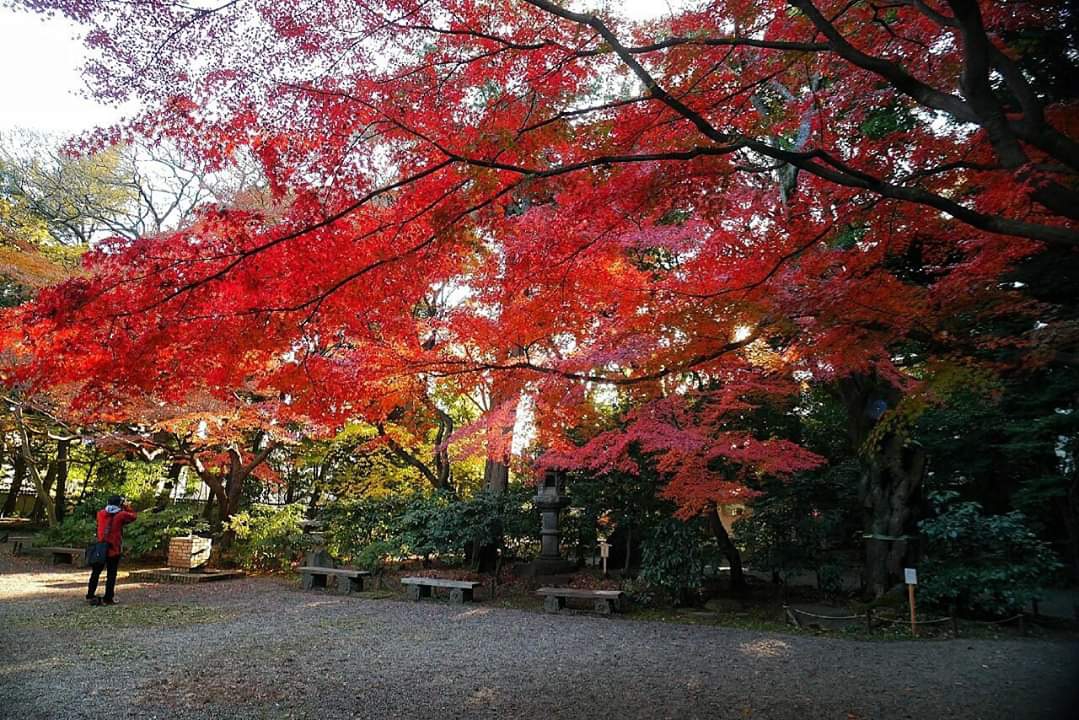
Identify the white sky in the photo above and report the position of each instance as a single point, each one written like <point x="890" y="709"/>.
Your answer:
<point x="41" y="83"/>
<point x="41" y="87"/>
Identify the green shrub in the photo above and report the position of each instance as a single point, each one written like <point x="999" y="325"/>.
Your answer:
<point x="793" y="523"/>
<point x="76" y="530"/>
<point x="984" y="563"/>
<point x="268" y="537"/>
<point x="672" y="558"/>
<point x="150" y="533"/>
<point x="147" y="536"/>
<point x="353" y="525"/>
<point x="368" y="531"/>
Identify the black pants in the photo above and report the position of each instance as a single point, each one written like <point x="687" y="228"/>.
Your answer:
<point x="111" y="566"/>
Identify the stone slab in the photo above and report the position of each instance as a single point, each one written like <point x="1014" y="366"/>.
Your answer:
<point x="320" y="570"/>
<point x="168" y="575"/>
<point x="439" y="582"/>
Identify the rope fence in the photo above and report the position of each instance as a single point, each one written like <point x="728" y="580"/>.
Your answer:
<point x="907" y="622"/>
<point x="1020" y="616"/>
<point x="872" y="618"/>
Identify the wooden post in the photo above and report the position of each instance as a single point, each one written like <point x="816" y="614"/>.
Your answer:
<point x="869" y="619"/>
<point x="913" y="618"/>
<point x="955" y="620"/>
<point x="910" y="576"/>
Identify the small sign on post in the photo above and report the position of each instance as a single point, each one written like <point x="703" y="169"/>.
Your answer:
<point x="910" y="576"/>
<point x="604" y="552"/>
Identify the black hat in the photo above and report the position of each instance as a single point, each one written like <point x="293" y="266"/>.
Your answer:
<point x="115" y="500"/>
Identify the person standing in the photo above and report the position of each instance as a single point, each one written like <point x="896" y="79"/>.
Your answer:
<point x="110" y="529"/>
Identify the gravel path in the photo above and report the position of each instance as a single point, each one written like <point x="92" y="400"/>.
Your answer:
<point x="260" y="648"/>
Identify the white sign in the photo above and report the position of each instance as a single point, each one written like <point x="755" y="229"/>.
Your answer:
<point x="604" y="549"/>
<point x="910" y="576"/>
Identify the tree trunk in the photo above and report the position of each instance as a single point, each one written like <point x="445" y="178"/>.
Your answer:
<point x="63" y="448"/>
<point x="890" y="483"/>
<point x="89" y="477"/>
<point x="18" y="475"/>
<point x="496" y="469"/>
<point x="44" y="501"/>
<point x="208" y="508"/>
<point x="28" y="458"/>
<point x="164" y="498"/>
<point x="496" y="476"/>
<point x="729" y="550"/>
<point x="495" y="481"/>
<point x="232" y="494"/>
<point x="290" y="488"/>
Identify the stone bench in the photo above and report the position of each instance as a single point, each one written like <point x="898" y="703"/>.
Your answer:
<point x="65" y="555"/>
<point x="17" y="543"/>
<point x="604" y="602"/>
<point x="348" y="580"/>
<point x="421" y="587"/>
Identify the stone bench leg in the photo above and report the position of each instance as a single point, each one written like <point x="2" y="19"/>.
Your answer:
<point x="346" y="585"/>
<point x="61" y="558"/>
<point x="553" y="603"/>
<point x="603" y="606"/>
<point x="415" y="592"/>
<point x="16" y="547"/>
<point x="460" y="595"/>
<point x="311" y="581"/>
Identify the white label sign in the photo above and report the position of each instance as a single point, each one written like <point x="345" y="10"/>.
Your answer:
<point x="604" y="549"/>
<point x="910" y="576"/>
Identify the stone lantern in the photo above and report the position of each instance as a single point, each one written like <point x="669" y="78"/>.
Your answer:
<point x="550" y="499"/>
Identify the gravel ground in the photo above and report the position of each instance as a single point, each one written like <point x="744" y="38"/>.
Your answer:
<point x="261" y="648"/>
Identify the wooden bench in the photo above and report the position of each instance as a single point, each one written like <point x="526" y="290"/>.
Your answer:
<point x="604" y="602"/>
<point x="17" y="543"/>
<point x="348" y="580"/>
<point x="65" y="555"/>
<point x="421" y="587"/>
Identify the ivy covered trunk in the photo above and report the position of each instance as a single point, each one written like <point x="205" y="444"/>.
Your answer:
<point x="889" y="487"/>
<point x="889" y="484"/>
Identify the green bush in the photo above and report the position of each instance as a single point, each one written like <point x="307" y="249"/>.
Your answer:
<point x="268" y="537"/>
<point x="76" y="530"/>
<point x="353" y="525"/>
<point x="793" y="523"/>
<point x="672" y="558"/>
<point x="983" y="563"/>
<point x="368" y="531"/>
<point x="147" y="536"/>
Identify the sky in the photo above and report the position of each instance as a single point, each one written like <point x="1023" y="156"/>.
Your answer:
<point x="41" y="84"/>
<point x="41" y="87"/>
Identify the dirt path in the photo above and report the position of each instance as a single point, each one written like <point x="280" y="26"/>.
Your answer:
<point x="260" y="648"/>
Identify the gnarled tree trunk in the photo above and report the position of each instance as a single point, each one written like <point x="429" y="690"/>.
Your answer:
<point x="18" y="475"/>
<point x="229" y="491"/>
<point x="31" y="466"/>
<point x="890" y="482"/>
<point x="728" y="548"/>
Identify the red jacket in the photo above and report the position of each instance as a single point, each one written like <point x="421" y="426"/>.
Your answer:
<point x="116" y="530"/>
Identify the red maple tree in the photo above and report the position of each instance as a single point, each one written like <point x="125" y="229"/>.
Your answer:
<point x="734" y="192"/>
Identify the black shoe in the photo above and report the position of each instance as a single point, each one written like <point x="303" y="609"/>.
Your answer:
<point x="95" y="601"/>
<point x="109" y="601"/>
